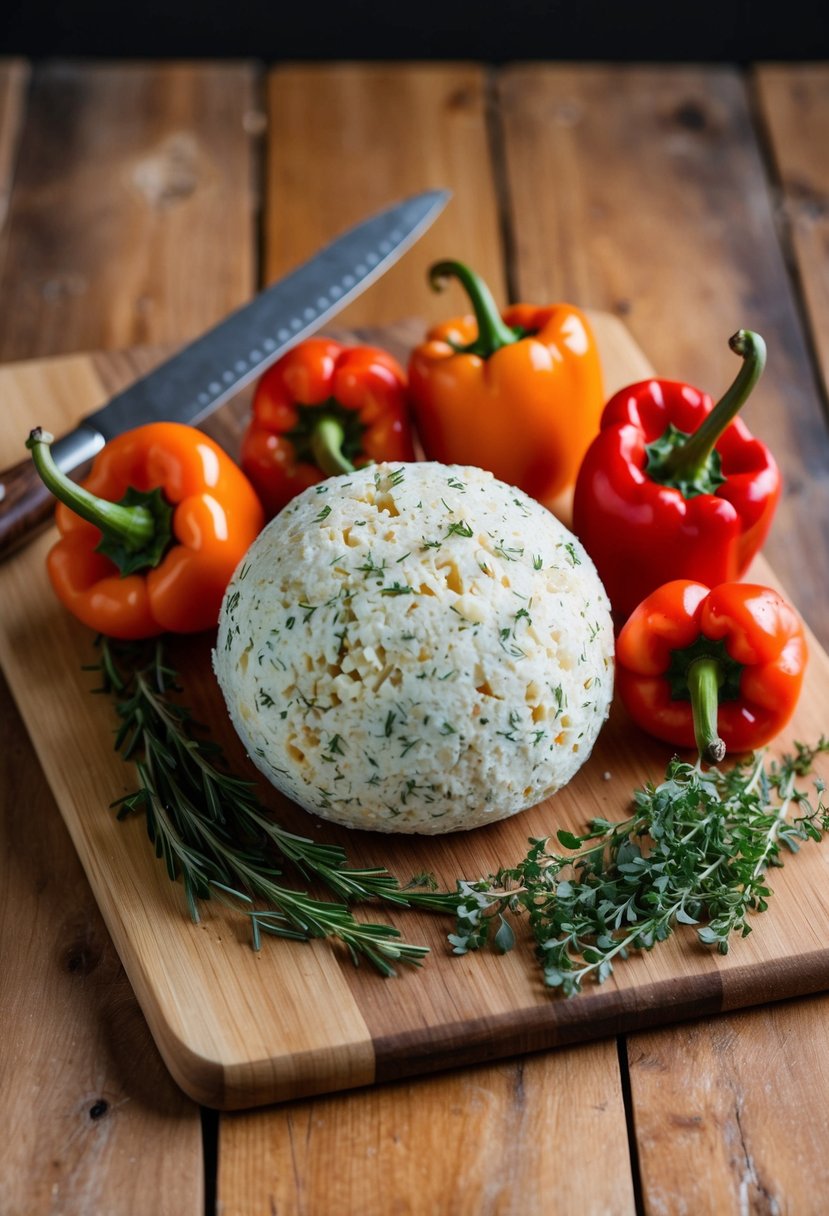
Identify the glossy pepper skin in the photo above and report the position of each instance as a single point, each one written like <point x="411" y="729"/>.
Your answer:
<point x="322" y="409"/>
<point x="658" y="497"/>
<point x="178" y="547"/>
<point x="519" y="394"/>
<point x="718" y="668"/>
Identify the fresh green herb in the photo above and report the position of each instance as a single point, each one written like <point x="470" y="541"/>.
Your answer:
<point x="324" y="513"/>
<point x="398" y="589"/>
<point x="459" y="528"/>
<point x="510" y="553"/>
<point x="212" y="833"/>
<point x="696" y="849"/>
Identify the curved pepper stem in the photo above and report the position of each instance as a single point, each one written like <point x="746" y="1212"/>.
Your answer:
<point x="136" y="532"/>
<point x="704" y="679"/>
<point x="327" y="438"/>
<point x="687" y="461"/>
<point x="493" y="332"/>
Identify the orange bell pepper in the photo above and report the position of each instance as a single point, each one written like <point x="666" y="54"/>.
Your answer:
<point x="520" y="395"/>
<point x="150" y="539"/>
<point x="722" y="668"/>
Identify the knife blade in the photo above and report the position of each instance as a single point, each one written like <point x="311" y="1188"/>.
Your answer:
<point x="196" y="380"/>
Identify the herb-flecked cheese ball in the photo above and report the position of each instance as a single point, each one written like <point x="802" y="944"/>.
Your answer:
<point x="416" y="648"/>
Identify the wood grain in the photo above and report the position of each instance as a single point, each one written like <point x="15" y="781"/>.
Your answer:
<point x="746" y="1099"/>
<point x="237" y="1028"/>
<point x="123" y="178"/>
<point x="85" y="1093"/>
<point x="659" y="211"/>
<point x="667" y="218"/>
<point x="328" y="158"/>
<point x="14" y="78"/>
<point x="348" y="139"/>
<point x="794" y="104"/>
<point x="490" y="1141"/>
<point x="126" y="176"/>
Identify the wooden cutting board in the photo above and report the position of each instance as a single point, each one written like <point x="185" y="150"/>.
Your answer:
<point x="238" y="1028"/>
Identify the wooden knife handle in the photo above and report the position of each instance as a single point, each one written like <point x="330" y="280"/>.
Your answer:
<point x="25" y="506"/>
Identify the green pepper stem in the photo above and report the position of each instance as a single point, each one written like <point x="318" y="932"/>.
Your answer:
<point x="133" y="526"/>
<point x="493" y="332"/>
<point x="687" y="459"/>
<point x="704" y="679"/>
<point x="327" y="438"/>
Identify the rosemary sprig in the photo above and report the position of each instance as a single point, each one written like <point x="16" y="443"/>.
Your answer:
<point x="696" y="848"/>
<point x="211" y="831"/>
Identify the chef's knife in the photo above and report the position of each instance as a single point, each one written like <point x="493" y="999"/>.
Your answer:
<point x="210" y="370"/>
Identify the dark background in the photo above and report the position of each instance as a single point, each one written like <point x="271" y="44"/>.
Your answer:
<point x="732" y="30"/>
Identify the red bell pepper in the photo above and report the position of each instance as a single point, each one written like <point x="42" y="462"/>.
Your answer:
<point x="722" y="668"/>
<point x="675" y="487"/>
<point x="323" y="409"/>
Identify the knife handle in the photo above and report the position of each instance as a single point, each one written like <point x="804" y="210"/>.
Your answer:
<point x="25" y="506"/>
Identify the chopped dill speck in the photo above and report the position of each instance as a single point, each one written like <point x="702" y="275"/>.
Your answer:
<point x="324" y="513"/>
<point x="510" y="553"/>
<point x="459" y="528"/>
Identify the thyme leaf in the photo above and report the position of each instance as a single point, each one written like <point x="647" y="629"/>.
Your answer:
<point x="695" y="851"/>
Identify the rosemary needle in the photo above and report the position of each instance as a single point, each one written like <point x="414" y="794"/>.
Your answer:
<point x="211" y="832"/>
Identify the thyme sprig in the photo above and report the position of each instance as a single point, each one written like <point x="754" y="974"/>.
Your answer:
<point x="211" y="831"/>
<point x="696" y="849"/>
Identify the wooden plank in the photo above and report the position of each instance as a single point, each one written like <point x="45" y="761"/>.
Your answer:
<point x="14" y="77"/>
<point x="84" y="1088"/>
<point x="494" y="1140"/>
<point x="794" y="104"/>
<point x="732" y="1115"/>
<point x="85" y="1092"/>
<point x="124" y="177"/>
<point x="239" y="1028"/>
<point x="348" y="139"/>
<point x="660" y="212"/>
<point x="666" y="218"/>
<point x="437" y="117"/>
<point x="127" y="175"/>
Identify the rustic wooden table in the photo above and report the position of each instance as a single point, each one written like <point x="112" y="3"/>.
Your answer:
<point x="139" y="204"/>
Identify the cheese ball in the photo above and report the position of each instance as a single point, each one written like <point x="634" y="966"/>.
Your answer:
<point x="416" y="648"/>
